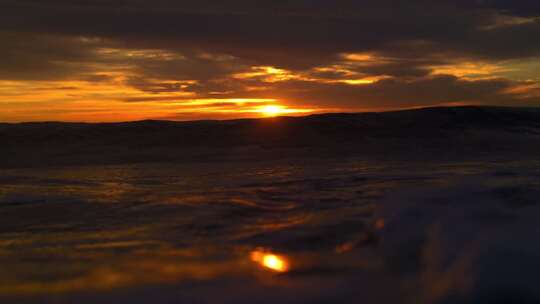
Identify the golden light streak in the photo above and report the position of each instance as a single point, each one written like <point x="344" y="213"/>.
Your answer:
<point x="271" y="75"/>
<point x="358" y="81"/>
<point x="155" y="54"/>
<point x="358" y="56"/>
<point x="271" y="261"/>
<point x="526" y="90"/>
<point x="76" y="101"/>
<point x="268" y="74"/>
<point x="240" y="102"/>
<point x="469" y="70"/>
<point x="336" y="68"/>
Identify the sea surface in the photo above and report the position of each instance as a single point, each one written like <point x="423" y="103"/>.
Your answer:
<point x="288" y="231"/>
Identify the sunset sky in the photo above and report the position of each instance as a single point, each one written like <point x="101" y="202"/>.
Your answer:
<point x="121" y="60"/>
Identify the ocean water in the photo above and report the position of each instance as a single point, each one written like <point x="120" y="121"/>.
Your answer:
<point x="289" y="231"/>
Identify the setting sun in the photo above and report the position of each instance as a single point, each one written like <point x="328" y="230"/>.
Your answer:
<point x="276" y="110"/>
<point x="273" y="110"/>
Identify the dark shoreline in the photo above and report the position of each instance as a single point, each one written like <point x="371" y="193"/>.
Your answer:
<point x="440" y="133"/>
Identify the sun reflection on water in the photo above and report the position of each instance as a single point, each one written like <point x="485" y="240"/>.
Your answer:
<point x="270" y="260"/>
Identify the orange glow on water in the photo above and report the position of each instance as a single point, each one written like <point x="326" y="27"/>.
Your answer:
<point x="380" y="224"/>
<point x="270" y="261"/>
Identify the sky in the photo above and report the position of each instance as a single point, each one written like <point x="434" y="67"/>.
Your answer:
<point x="123" y="60"/>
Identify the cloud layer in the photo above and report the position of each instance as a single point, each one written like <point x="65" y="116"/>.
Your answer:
<point x="164" y="58"/>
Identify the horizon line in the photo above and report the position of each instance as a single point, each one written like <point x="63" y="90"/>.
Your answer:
<point x="274" y="117"/>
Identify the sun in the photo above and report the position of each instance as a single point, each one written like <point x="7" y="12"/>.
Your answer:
<point x="273" y="110"/>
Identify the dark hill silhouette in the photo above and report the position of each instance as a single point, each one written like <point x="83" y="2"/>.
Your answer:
<point x="456" y="131"/>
